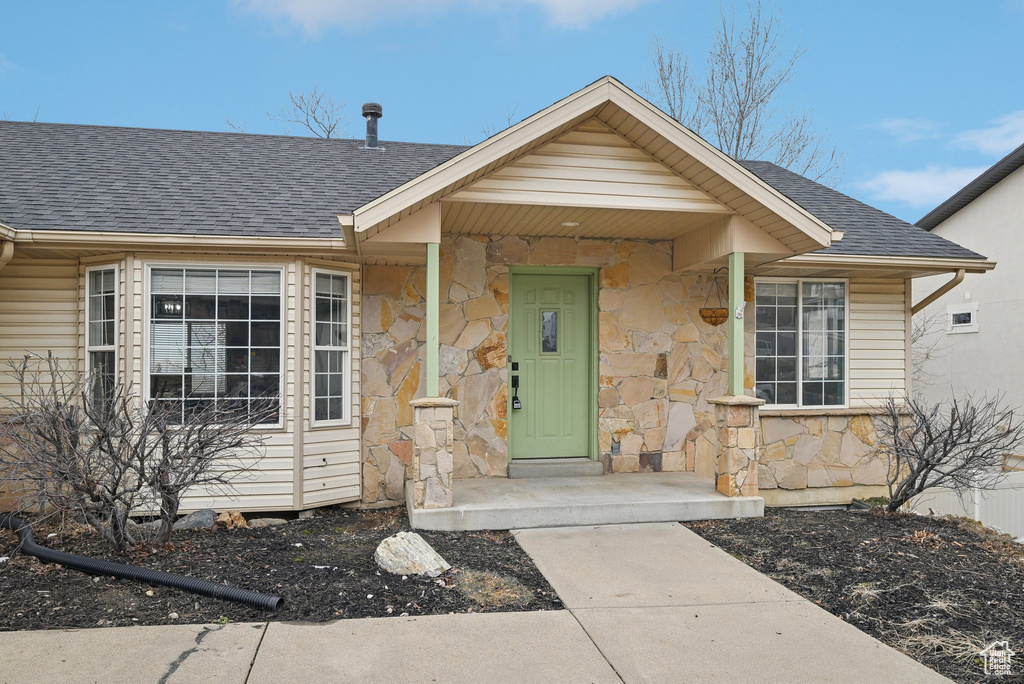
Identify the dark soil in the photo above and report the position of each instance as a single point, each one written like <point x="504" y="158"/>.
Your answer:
<point x="939" y="590"/>
<point x="278" y="560"/>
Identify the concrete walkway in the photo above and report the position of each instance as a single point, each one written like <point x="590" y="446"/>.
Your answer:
<point x="664" y="605"/>
<point x="647" y="603"/>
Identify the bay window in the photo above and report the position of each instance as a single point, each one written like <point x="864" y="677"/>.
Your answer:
<point x="800" y="342"/>
<point x="215" y="335"/>
<point x="331" y="346"/>
<point x="101" y="331"/>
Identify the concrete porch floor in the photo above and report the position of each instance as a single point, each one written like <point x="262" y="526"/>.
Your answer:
<point x="498" y="503"/>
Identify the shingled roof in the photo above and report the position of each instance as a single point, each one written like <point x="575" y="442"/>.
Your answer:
<point x="869" y="231"/>
<point x="136" y="180"/>
<point x="973" y="190"/>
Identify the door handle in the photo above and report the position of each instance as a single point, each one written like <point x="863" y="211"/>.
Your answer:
<point x="516" y="403"/>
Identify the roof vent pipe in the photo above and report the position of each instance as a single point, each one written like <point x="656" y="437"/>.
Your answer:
<point x="372" y="111"/>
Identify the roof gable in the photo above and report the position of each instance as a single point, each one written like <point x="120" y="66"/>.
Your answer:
<point x="637" y="122"/>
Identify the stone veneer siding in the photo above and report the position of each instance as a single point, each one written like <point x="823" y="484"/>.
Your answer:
<point x="802" y="452"/>
<point x="659" y="363"/>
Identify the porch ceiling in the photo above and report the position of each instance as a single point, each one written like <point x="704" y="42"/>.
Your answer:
<point x="483" y="218"/>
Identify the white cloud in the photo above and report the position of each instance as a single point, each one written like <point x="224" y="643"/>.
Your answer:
<point x="1002" y="135"/>
<point x="910" y="130"/>
<point x="923" y="188"/>
<point x="312" y="16"/>
<point x="6" y="65"/>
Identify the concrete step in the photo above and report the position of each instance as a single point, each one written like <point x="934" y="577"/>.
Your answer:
<point x="554" y="467"/>
<point x="500" y="503"/>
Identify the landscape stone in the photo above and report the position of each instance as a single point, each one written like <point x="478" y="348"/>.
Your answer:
<point x="407" y="553"/>
<point x="231" y="520"/>
<point x="196" y="520"/>
<point x="257" y="523"/>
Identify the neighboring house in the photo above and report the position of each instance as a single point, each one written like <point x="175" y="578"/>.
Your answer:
<point x="559" y="266"/>
<point x="973" y="326"/>
<point x="974" y="322"/>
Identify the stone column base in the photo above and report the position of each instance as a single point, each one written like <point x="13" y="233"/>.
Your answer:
<point x="433" y="428"/>
<point x="740" y="435"/>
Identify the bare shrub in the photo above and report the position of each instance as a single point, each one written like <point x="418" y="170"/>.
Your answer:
<point x="960" y="445"/>
<point x="100" y="457"/>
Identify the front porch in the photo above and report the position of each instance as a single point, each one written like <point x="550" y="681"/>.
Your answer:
<point x="497" y="503"/>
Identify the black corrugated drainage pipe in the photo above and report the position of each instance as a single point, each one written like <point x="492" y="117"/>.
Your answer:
<point x="94" y="566"/>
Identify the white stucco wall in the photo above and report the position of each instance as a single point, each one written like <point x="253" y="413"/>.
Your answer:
<point x="989" y="360"/>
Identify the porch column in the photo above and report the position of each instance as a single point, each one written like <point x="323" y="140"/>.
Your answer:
<point x="736" y="304"/>
<point x="432" y="313"/>
<point x="433" y="446"/>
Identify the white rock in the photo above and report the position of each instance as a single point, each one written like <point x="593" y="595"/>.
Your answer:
<point x="407" y="553"/>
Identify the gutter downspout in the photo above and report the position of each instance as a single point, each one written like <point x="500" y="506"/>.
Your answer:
<point x="6" y="252"/>
<point x="957" y="279"/>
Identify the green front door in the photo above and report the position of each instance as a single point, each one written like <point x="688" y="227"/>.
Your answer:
<point x="550" y="342"/>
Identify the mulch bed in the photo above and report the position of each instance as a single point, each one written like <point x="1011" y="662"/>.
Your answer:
<point x="323" y="567"/>
<point x="937" y="589"/>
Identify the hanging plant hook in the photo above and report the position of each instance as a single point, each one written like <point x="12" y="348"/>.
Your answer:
<point x="715" y="315"/>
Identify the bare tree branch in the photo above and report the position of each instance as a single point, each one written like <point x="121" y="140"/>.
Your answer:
<point x="928" y="343"/>
<point x="735" y="108"/>
<point x="489" y="128"/>
<point x="316" y="112"/>
<point x="242" y="127"/>
<point x="102" y="457"/>
<point x="960" y="446"/>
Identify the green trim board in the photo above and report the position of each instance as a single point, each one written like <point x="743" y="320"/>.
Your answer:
<point x="736" y="305"/>
<point x="432" y="315"/>
<point x="521" y="273"/>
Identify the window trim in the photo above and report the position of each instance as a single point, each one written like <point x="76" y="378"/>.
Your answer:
<point x="799" y="406"/>
<point x="147" y="305"/>
<point x="115" y="347"/>
<point x="962" y="328"/>
<point x="346" y="419"/>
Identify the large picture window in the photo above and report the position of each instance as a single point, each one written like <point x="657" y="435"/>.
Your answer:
<point x="215" y="336"/>
<point x="101" y="331"/>
<point x="331" y="346"/>
<point x="800" y="343"/>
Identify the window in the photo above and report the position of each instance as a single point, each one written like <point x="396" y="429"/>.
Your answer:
<point x="800" y="343"/>
<point x="549" y="332"/>
<point x="215" y="336"/>
<point x="331" y="346"/>
<point x="962" y="318"/>
<point x="101" y="331"/>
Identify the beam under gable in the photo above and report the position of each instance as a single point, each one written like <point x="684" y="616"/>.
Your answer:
<point x="722" y="237"/>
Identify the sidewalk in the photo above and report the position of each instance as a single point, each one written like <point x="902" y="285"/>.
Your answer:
<point x="646" y="603"/>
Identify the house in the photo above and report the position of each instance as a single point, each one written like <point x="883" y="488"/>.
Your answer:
<point x="968" y="327"/>
<point x="972" y="323"/>
<point x="431" y="317"/>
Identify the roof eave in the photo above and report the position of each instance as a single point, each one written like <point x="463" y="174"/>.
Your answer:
<point x="854" y="261"/>
<point x="973" y="190"/>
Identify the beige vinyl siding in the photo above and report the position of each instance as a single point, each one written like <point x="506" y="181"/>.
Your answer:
<point x="291" y="475"/>
<point x="878" y="340"/>
<point x="589" y="167"/>
<point x="39" y="311"/>
<point x="331" y="455"/>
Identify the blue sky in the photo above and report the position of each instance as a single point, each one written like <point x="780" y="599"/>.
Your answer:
<point x="921" y="96"/>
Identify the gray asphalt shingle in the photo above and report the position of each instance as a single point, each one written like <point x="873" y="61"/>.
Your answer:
<point x="869" y="231"/>
<point x="75" y="177"/>
<point x="98" y="178"/>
